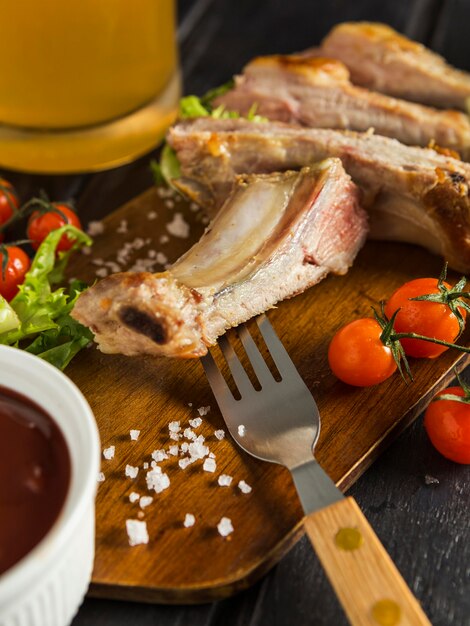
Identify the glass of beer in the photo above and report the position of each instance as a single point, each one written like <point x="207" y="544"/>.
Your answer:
<point x="85" y="84"/>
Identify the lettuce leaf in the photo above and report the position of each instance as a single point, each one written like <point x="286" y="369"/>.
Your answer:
<point x="40" y="314"/>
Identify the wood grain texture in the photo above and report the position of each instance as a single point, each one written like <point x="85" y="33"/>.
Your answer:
<point x="365" y="579"/>
<point x="195" y="565"/>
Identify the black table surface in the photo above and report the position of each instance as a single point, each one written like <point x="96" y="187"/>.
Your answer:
<point x="423" y="523"/>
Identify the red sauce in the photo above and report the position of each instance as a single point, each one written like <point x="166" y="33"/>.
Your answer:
<point x="34" y="475"/>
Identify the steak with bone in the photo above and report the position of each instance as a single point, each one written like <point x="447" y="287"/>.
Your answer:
<point x="413" y="195"/>
<point x="317" y="92"/>
<point x="380" y="58"/>
<point x="275" y="236"/>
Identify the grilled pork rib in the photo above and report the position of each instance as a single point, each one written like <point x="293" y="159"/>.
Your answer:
<point x="413" y="195"/>
<point x="317" y="92"/>
<point x="275" y="236"/>
<point x="380" y="58"/>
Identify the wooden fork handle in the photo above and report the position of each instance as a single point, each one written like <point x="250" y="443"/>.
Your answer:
<point x="364" y="577"/>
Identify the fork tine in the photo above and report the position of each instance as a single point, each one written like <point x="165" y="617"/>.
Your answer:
<point x="256" y="359"/>
<point x="279" y="354"/>
<point x="236" y="368"/>
<point x="217" y="382"/>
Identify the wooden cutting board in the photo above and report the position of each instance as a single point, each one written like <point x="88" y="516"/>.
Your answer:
<point x="182" y="565"/>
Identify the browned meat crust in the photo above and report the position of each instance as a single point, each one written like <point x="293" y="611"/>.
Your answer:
<point x="379" y="58"/>
<point x="413" y="194"/>
<point x="316" y="92"/>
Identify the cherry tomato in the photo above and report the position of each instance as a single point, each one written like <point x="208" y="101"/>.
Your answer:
<point x="41" y="223"/>
<point x="13" y="274"/>
<point x="447" y="423"/>
<point x="358" y="357"/>
<point x="8" y="200"/>
<point x="431" y="319"/>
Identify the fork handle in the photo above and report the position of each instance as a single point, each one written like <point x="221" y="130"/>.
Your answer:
<point x="364" y="577"/>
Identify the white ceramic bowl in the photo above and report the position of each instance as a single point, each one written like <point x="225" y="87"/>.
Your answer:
<point x="47" y="586"/>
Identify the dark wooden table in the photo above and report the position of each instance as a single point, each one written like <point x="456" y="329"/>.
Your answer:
<point x="415" y="499"/>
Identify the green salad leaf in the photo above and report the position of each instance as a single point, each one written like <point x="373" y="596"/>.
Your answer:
<point x="38" y="318"/>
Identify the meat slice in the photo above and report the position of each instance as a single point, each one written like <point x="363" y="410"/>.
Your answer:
<point x="317" y="92"/>
<point x="413" y="195"/>
<point x="380" y="58"/>
<point x="275" y="236"/>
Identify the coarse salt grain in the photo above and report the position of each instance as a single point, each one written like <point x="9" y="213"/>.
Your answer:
<point x="156" y="480"/>
<point x="145" y="501"/>
<point x="174" y="427"/>
<point x="145" y="465"/>
<point x="175" y="436"/>
<point x="209" y="465"/>
<point x="86" y="250"/>
<point x="203" y="410"/>
<point x="164" y="239"/>
<point x="241" y="430"/>
<point x="134" y="496"/>
<point x="159" y="455"/>
<point x="189" y="520"/>
<point x="224" y="480"/>
<point x="131" y="471"/>
<point x="152" y="215"/>
<point x="102" y="272"/>
<point x="184" y="446"/>
<point x="173" y="450"/>
<point x="134" y="434"/>
<point x="108" y="453"/>
<point x="184" y="462"/>
<point x="244" y="487"/>
<point x="178" y="227"/>
<point x="122" y="228"/>
<point x="225" y="527"/>
<point x="196" y="422"/>
<point x="95" y="228"/>
<point x="220" y="434"/>
<point x="100" y="477"/>
<point x="137" y="532"/>
<point x="189" y="434"/>
<point x="198" y="450"/>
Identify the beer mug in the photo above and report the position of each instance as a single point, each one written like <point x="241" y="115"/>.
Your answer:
<point x="86" y="84"/>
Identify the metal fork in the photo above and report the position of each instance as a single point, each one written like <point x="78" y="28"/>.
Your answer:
<point x="281" y="423"/>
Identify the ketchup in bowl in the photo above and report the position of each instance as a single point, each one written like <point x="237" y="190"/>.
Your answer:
<point x="35" y="474"/>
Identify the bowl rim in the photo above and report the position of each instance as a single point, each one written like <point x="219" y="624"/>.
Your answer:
<point x="29" y="567"/>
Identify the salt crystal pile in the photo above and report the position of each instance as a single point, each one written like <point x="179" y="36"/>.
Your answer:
<point x="244" y="487"/>
<point x="196" y="422"/>
<point x="225" y="480"/>
<point x="134" y="496"/>
<point x="159" y="455"/>
<point x="189" y="520"/>
<point x="108" y="453"/>
<point x="145" y="501"/>
<point x="241" y="430"/>
<point x="183" y="463"/>
<point x="209" y="465"/>
<point x="131" y="471"/>
<point x="225" y="527"/>
<point x="156" y="480"/>
<point x="203" y="410"/>
<point x="219" y="434"/>
<point x="137" y="532"/>
<point x="134" y="434"/>
<point x="189" y="434"/>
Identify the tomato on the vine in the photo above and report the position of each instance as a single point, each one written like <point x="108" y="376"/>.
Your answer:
<point x="447" y="423"/>
<point x="9" y="203"/>
<point x="358" y="356"/>
<point x="428" y="318"/>
<point x="14" y="263"/>
<point x="42" y="222"/>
